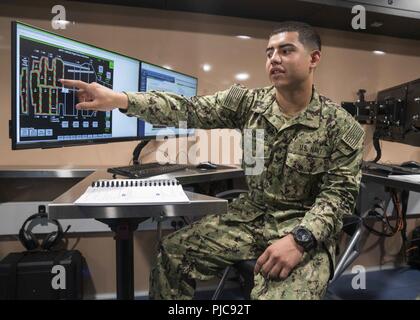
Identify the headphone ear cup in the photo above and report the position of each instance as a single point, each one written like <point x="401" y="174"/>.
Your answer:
<point x="50" y="240"/>
<point x="28" y="240"/>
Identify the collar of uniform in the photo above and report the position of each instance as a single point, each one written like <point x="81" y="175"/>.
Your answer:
<point x="266" y="108"/>
<point x="310" y="117"/>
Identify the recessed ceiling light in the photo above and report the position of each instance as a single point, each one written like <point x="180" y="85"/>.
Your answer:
<point x="243" y="37"/>
<point x="62" y="22"/>
<point x="378" y="52"/>
<point x="206" y="67"/>
<point x="376" y="24"/>
<point x="167" y="67"/>
<point x="242" y="76"/>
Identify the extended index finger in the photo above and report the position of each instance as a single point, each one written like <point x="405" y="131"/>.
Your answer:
<point x="74" y="83"/>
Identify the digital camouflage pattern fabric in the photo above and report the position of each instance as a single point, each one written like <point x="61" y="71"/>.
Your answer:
<point x="311" y="178"/>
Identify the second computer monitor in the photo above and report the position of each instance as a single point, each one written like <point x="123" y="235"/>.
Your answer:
<point x="157" y="78"/>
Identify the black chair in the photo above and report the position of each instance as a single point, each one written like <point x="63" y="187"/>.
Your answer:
<point x="352" y="226"/>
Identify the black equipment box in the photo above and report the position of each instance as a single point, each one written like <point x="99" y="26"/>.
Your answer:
<point x="30" y="275"/>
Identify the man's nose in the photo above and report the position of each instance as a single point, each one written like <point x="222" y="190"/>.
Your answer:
<point x="275" y="58"/>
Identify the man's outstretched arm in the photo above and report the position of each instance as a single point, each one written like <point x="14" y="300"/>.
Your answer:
<point x="225" y="109"/>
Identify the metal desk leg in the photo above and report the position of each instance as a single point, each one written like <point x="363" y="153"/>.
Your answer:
<point x="124" y="229"/>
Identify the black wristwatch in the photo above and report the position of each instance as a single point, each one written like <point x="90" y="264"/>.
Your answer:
<point x="304" y="238"/>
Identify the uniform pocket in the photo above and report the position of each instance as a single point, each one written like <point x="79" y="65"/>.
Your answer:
<point x="302" y="174"/>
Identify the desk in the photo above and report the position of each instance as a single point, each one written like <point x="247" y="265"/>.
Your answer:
<point x="391" y="183"/>
<point x="404" y="186"/>
<point x="124" y="220"/>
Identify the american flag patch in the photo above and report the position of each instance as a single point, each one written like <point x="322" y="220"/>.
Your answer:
<point x="353" y="135"/>
<point x="234" y="98"/>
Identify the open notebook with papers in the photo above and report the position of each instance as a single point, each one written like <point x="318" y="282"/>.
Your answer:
<point x="133" y="192"/>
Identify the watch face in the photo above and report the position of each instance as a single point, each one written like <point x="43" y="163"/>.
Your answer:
<point x="303" y="235"/>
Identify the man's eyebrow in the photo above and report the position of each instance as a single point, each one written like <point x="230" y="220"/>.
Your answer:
<point x="281" y="46"/>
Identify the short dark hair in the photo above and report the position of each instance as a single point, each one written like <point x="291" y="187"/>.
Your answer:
<point x="307" y="34"/>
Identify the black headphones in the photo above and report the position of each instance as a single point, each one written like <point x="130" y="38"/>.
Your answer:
<point x="30" y="242"/>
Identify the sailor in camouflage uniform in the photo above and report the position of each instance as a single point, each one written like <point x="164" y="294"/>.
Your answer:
<point x="291" y="218"/>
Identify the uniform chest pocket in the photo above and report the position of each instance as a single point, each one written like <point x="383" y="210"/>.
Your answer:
<point x="306" y="163"/>
<point x="263" y="135"/>
<point x="302" y="175"/>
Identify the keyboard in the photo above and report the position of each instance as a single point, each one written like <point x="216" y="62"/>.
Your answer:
<point x="146" y="170"/>
<point x="388" y="169"/>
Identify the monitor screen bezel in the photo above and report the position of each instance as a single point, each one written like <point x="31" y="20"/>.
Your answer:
<point x="54" y="144"/>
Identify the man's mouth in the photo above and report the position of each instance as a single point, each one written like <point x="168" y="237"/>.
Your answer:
<point x="276" y="71"/>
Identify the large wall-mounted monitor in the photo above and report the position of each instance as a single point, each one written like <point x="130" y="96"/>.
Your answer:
<point x="157" y="78"/>
<point x="43" y="112"/>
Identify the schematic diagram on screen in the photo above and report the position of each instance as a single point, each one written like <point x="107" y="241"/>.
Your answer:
<point x="44" y="99"/>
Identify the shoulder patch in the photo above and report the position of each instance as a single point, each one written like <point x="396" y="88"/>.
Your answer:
<point x="353" y="135"/>
<point x="234" y="97"/>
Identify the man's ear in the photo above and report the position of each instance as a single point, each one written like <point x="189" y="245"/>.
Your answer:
<point x="315" y="58"/>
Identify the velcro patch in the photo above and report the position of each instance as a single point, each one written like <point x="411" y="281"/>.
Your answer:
<point x="353" y="135"/>
<point x="234" y="97"/>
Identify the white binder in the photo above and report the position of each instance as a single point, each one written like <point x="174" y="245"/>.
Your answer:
<point x="132" y="192"/>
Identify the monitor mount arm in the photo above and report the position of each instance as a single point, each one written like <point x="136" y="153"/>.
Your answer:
<point x="377" y="146"/>
<point x="137" y="150"/>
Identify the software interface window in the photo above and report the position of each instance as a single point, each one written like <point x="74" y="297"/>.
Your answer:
<point x="155" y="78"/>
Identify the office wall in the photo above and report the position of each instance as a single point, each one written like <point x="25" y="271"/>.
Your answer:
<point x="185" y="41"/>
